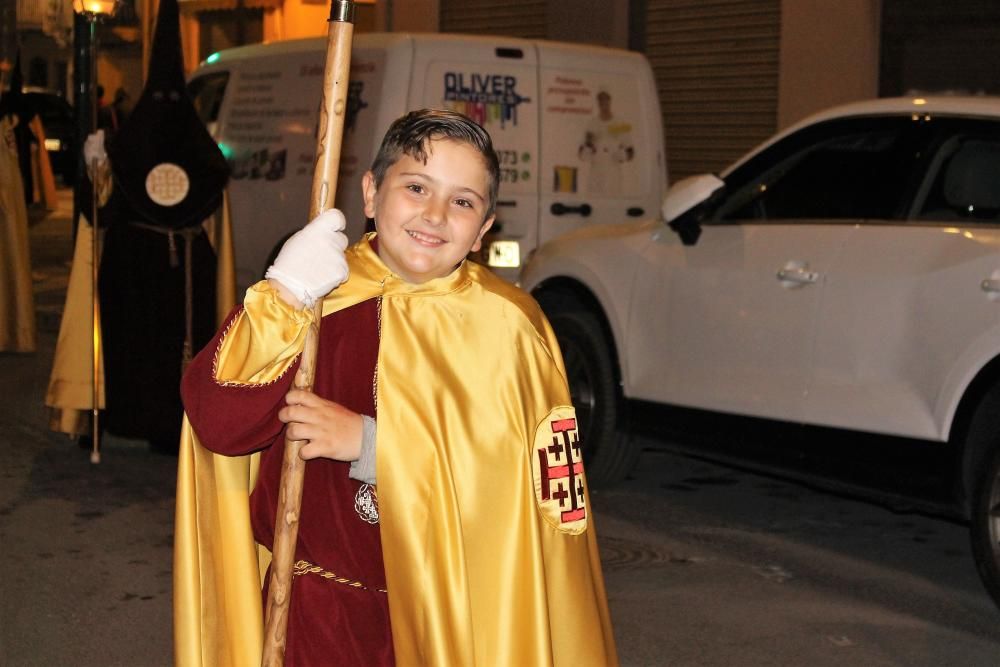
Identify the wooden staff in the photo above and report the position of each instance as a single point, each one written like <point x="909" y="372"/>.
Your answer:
<point x="324" y="187"/>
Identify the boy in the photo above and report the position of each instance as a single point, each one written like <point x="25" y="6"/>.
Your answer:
<point x="476" y="546"/>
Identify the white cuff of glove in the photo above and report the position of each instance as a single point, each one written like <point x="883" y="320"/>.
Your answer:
<point x="93" y="148"/>
<point x="311" y="262"/>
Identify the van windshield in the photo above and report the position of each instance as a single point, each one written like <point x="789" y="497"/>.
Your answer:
<point x="207" y="93"/>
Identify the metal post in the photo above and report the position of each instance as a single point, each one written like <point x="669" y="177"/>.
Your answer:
<point x="95" y="313"/>
<point x="82" y="104"/>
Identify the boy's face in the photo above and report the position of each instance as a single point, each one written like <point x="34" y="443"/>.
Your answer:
<point x="430" y="216"/>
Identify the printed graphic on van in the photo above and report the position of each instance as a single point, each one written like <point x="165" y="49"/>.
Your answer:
<point x="596" y="150"/>
<point x="266" y="164"/>
<point x="354" y="104"/>
<point x="485" y="98"/>
<point x="607" y="144"/>
<point x="563" y="179"/>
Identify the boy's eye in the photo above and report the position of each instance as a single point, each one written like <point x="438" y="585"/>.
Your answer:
<point x="465" y="203"/>
<point x="415" y="187"/>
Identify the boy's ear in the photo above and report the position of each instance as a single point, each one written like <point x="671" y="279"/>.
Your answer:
<point x="368" y="190"/>
<point x="482" y="232"/>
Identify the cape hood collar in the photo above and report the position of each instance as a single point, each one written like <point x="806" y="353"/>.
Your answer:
<point x="369" y="270"/>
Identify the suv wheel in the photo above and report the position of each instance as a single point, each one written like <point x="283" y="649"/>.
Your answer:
<point x="986" y="524"/>
<point x="609" y="452"/>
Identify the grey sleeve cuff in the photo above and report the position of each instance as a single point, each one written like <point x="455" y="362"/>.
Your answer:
<point x="363" y="469"/>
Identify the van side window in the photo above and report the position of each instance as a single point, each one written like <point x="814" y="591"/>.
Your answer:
<point x="207" y="93"/>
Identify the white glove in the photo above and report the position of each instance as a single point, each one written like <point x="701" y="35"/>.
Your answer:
<point x="311" y="262"/>
<point x="93" y="148"/>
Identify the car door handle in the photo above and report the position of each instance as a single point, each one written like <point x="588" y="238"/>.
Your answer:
<point x="563" y="209"/>
<point x="990" y="285"/>
<point x="793" y="276"/>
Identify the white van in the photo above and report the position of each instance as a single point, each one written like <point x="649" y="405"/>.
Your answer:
<point x="577" y="130"/>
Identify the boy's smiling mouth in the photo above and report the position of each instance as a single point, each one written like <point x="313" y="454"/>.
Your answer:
<point x="424" y="238"/>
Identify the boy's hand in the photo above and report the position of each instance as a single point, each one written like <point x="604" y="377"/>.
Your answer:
<point x="311" y="262"/>
<point x="332" y="431"/>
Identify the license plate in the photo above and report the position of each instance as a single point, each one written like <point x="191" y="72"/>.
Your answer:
<point x="505" y="254"/>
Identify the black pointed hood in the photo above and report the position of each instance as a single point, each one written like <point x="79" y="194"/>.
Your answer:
<point x="166" y="164"/>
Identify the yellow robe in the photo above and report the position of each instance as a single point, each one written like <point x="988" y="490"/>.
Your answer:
<point x="483" y="564"/>
<point x="17" y="301"/>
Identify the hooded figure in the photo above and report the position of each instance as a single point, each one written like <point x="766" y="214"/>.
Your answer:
<point x="157" y="273"/>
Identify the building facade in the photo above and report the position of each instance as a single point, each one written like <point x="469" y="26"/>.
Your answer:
<point x="729" y="72"/>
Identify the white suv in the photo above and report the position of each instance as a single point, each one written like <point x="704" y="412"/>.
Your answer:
<point x="844" y="274"/>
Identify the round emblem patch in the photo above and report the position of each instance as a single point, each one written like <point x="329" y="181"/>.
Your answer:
<point x="167" y="184"/>
<point x="557" y="464"/>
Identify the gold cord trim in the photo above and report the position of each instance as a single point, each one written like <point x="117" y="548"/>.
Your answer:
<point x="305" y="567"/>
<point x="234" y="383"/>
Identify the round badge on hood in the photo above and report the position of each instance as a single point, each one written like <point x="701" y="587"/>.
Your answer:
<point x="167" y="184"/>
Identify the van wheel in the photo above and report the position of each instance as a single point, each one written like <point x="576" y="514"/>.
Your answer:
<point x="609" y="452"/>
<point x="986" y="524"/>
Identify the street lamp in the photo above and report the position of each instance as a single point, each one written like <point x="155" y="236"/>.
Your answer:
<point x="94" y="7"/>
<point x="92" y="11"/>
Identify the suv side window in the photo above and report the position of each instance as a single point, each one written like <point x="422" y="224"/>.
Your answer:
<point x="963" y="181"/>
<point x="846" y="169"/>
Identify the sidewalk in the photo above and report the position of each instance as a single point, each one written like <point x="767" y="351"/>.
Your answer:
<point x="85" y="570"/>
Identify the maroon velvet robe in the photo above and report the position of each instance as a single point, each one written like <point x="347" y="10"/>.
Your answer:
<point x="329" y="623"/>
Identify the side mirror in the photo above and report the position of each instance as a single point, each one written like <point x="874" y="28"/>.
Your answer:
<point x="683" y="201"/>
<point x="688" y="193"/>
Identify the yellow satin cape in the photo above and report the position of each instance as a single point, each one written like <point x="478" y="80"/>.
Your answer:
<point x="476" y="573"/>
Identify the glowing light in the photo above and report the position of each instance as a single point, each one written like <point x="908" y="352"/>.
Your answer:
<point x="226" y="150"/>
<point x="96" y="7"/>
<point x="919" y="101"/>
<point x="214" y="58"/>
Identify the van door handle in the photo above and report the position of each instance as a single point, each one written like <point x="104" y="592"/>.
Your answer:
<point x="991" y="286"/>
<point x="563" y="209"/>
<point x="795" y="276"/>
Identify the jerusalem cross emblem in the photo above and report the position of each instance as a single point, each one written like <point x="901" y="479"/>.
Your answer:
<point x="558" y="467"/>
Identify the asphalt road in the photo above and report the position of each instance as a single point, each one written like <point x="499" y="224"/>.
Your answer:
<point x="711" y="565"/>
<point x="705" y="564"/>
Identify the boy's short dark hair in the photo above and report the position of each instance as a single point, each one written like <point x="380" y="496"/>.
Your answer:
<point x="409" y="135"/>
